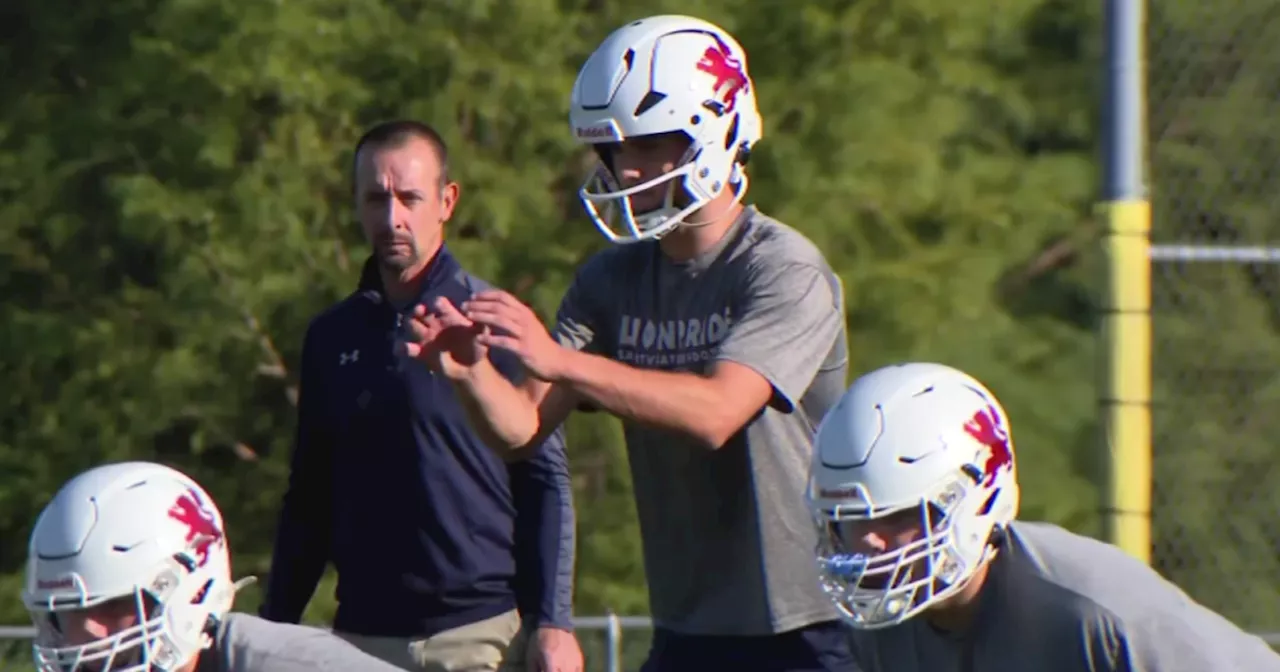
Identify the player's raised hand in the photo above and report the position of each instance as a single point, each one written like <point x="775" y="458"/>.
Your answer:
<point x="444" y="339"/>
<point x="514" y="327"/>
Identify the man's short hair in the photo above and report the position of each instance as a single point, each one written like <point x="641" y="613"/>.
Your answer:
<point x="396" y="133"/>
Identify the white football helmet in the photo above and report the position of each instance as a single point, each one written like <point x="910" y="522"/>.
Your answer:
<point x="145" y="537"/>
<point x="923" y="447"/>
<point x="656" y="76"/>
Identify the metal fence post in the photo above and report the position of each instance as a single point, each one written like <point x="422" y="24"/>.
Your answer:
<point x="1125" y="389"/>
<point x="613" y="643"/>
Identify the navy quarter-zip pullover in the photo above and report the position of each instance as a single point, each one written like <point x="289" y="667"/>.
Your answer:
<point x="427" y="527"/>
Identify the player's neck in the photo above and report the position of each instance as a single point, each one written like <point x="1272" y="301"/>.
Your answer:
<point x="957" y="612"/>
<point x="403" y="287"/>
<point x="706" y="227"/>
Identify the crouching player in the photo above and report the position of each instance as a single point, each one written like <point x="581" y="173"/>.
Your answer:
<point x="128" y="569"/>
<point x="915" y="491"/>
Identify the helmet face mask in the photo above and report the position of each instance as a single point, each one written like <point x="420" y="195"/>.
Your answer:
<point x="128" y="568"/>
<point x="920" y="566"/>
<point x="611" y="205"/>
<point x="139" y="639"/>
<point x="657" y="77"/>
<point x="913" y="477"/>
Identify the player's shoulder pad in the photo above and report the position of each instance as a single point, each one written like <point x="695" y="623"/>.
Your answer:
<point x="773" y="243"/>
<point x="1092" y="571"/>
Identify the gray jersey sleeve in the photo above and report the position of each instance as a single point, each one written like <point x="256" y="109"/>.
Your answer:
<point x="1061" y="602"/>
<point x="1086" y="606"/>
<point x="246" y="643"/>
<point x="577" y="318"/>
<point x="1190" y="639"/>
<point x="784" y="324"/>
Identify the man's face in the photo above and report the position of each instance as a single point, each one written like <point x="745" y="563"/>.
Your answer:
<point x="82" y="627"/>
<point x="638" y="160"/>
<point x="882" y="536"/>
<point x="85" y="626"/>
<point x="403" y="203"/>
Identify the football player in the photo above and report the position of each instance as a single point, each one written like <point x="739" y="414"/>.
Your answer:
<point x="713" y="331"/>
<point x="128" y="569"/>
<point x="915" y="489"/>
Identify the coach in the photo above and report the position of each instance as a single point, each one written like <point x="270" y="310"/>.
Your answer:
<point x="387" y="479"/>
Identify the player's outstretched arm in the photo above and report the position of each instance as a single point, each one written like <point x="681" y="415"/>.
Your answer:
<point x="511" y="418"/>
<point x="503" y="414"/>
<point x="1178" y="635"/>
<point x="711" y="408"/>
<point x="790" y="316"/>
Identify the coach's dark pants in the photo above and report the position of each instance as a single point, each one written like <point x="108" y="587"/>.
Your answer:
<point x="822" y="647"/>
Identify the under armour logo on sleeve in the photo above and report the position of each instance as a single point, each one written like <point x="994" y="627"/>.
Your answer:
<point x="348" y="358"/>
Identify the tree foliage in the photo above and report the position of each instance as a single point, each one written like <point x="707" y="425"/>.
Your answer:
<point x="175" y="207"/>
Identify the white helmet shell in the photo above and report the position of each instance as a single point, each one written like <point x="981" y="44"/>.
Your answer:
<point x="657" y="76"/>
<point x="919" y="440"/>
<point x="134" y="532"/>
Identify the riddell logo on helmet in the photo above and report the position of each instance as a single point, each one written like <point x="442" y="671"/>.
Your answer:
<point x="56" y="584"/>
<point x="985" y="427"/>
<point x="730" y="77"/>
<point x="202" y="528"/>
<point x="594" y="132"/>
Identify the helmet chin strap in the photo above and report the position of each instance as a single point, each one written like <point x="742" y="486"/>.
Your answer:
<point x="959" y="591"/>
<point x="739" y="180"/>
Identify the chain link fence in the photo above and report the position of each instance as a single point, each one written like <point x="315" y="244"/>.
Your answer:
<point x="1214" y="124"/>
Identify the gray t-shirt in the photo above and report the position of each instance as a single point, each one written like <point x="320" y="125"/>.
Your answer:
<point x="728" y="542"/>
<point x="1061" y="602"/>
<point x="246" y="643"/>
